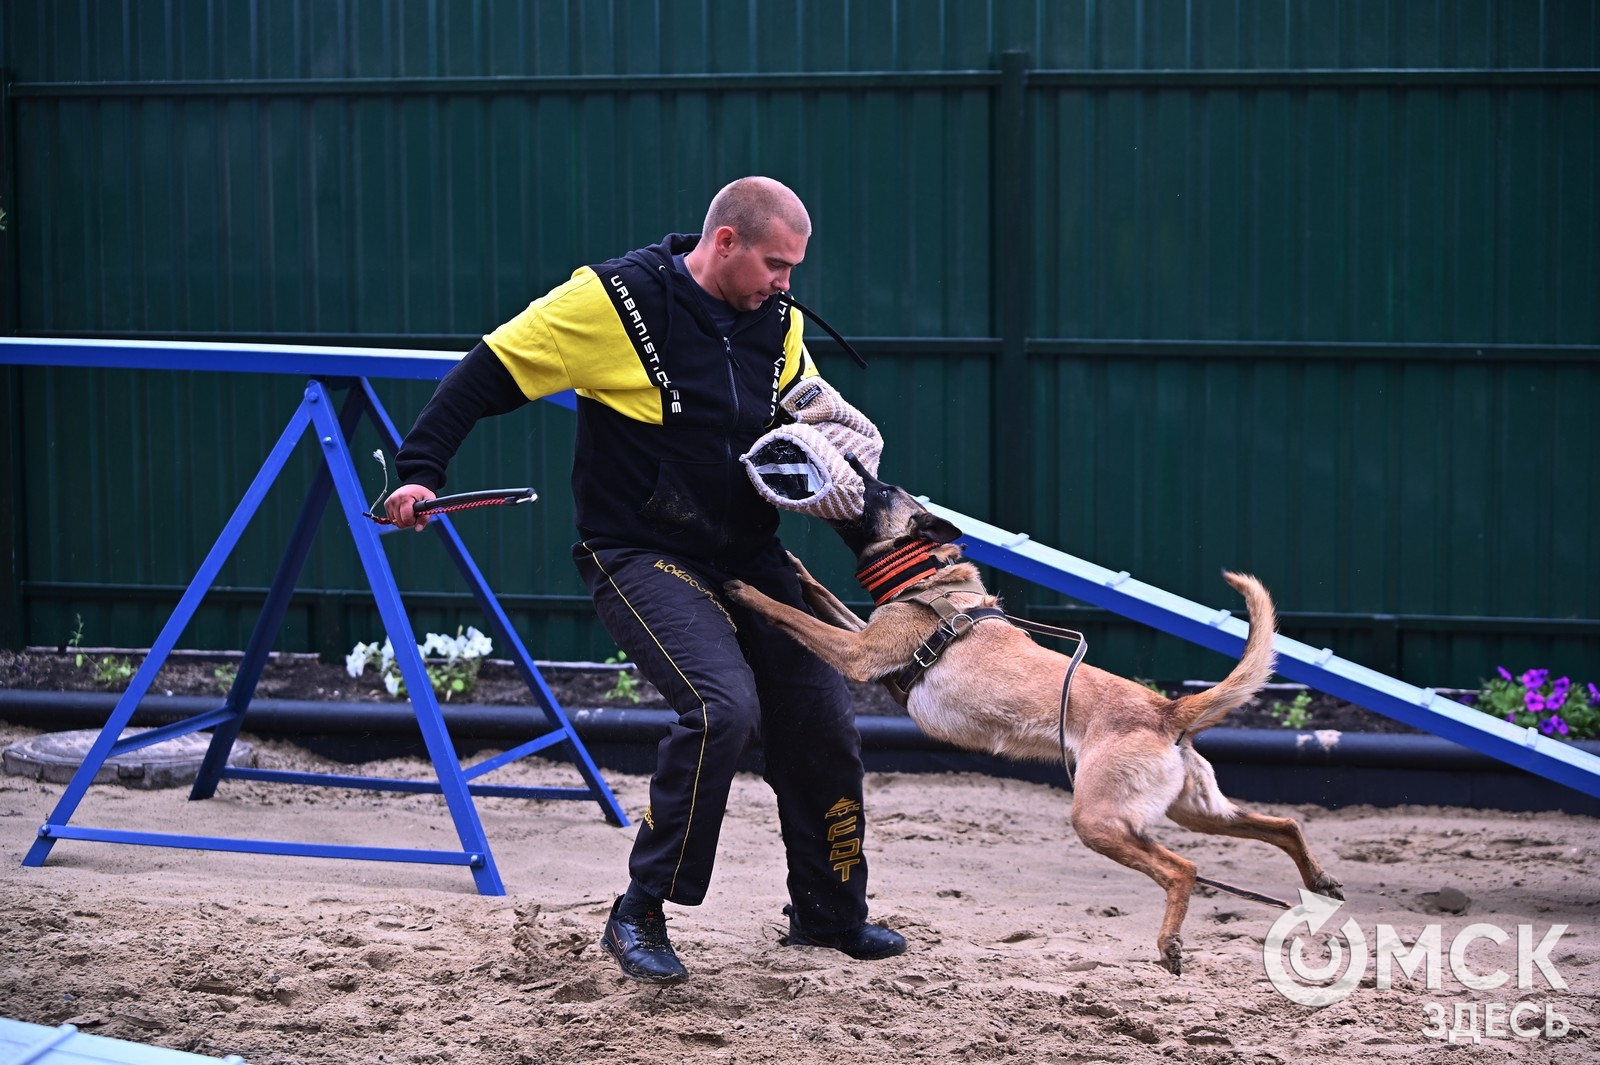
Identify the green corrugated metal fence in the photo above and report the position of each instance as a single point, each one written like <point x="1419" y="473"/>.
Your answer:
<point x="1305" y="288"/>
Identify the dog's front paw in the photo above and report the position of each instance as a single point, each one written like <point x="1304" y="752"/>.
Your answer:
<point x="1328" y="886"/>
<point x="800" y="570"/>
<point x="738" y="591"/>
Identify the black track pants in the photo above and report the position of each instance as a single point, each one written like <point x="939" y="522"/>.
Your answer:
<point x="731" y="677"/>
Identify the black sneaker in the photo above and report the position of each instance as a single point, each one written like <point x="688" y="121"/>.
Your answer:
<point x="639" y="943"/>
<point x="869" y="942"/>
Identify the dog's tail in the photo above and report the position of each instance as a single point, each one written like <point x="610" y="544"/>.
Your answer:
<point x="1192" y="713"/>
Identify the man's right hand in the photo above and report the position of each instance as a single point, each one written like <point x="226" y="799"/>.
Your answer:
<point x="400" y="503"/>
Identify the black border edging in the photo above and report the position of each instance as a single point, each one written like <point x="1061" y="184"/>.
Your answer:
<point x="1257" y="765"/>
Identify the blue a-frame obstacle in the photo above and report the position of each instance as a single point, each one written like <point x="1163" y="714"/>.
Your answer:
<point x="337" y="473"/>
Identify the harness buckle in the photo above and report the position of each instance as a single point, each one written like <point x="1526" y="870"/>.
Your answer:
<point x="951" y="624"/>
<point x="933" y="656"/>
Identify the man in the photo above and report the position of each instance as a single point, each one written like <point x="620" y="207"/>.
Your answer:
<point x="679" y="353"/>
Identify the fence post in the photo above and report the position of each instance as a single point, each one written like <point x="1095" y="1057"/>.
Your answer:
<point x="11" y="540"/>
<point x="1012" y="257"/>
<point x="10" y="255"/>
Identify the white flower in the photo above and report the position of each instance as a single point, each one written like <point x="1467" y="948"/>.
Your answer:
<point x="437" y="644"/>
<point x="387" y="655"/>
<point x="355" y="663"/>
<point x="477" y="645"/>
<point x="391" y="681"/>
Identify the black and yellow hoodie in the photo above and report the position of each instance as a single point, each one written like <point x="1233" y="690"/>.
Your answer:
<point x="666" y="402"/>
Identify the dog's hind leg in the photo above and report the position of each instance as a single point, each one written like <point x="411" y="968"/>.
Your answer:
<point x="1201" y="807"/>
<point x="1175" y="874"/>
<point x="1282" y="832"/>
<point x="1111" y="804"/>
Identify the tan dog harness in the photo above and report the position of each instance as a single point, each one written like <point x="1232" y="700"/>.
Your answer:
<point x="954" y="623"/>
<point x="888" y="575"/>
<point x="886" y="578"/>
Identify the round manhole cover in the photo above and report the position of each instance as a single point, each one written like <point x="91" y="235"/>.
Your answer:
<point x="56" y="756"/>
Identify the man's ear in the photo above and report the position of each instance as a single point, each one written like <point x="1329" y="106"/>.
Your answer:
<point x="935" y="528"/>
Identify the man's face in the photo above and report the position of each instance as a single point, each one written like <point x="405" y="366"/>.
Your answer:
<point x="751" y="273"/>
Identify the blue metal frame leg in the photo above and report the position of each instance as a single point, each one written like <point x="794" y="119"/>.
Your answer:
<point x="270" y="620"/>
<point x="489" y="603"/>
<point x="395" y="621"/>
<point x="101" y="749"/>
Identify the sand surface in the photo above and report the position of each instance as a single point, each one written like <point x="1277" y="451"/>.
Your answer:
<point x="1024" y="945"/>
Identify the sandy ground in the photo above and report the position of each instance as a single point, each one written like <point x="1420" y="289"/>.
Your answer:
<point x="1024" y="945"/>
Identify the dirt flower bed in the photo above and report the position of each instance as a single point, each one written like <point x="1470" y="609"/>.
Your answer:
<point x="499" y="684"/>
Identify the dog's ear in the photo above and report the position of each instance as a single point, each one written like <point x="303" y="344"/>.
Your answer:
<point x="932" y="527"/>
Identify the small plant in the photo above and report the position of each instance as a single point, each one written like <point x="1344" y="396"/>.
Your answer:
<point x="1555" y="706"/>
<point x="452" y="662"/>
<point x="113" y="670"/>
<point x="76" y="643"/>
<point x="225" y="676"/>
<point x="110" y="670"/>
<point x="1296" y="713"/>
<point x="627" y="685"/>
<point x="1152" y="685"/>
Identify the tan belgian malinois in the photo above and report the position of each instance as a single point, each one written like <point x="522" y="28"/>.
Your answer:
<point x="991" y="688"/>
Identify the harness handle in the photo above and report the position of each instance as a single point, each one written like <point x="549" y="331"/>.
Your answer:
<point x="493" y="497"/>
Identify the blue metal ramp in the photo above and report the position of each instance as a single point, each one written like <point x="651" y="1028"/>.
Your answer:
<point x="1316" y="667"/>
<point x="34" y="1044"/>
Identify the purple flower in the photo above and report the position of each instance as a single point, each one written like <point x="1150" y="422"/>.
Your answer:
<point x="1561" y="685"/>
<point x="1555" y="701"/>
<point x="1506" y="673"/>
<point x="1511" y="716"/>
<point x="1594" y="693"/>
<point x="1552" y="725"/>
<point x="1535" y="702"/>
<point x="1534" y="679"/>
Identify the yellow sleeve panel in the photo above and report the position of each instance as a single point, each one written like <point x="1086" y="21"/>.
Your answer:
<point x="797" y="363"/>
<point x="571" y="338"/>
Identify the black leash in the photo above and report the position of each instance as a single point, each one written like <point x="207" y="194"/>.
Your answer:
<point x="826" y="328"/>
<point x="1042" y="629"/>
<point x="1066" y="762"/>
<point x="1243" y="893"/>
<point x="901" y="684"/>
<point x="1077" y="656"/>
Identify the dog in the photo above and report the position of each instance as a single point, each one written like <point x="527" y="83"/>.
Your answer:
<point x="993" y="689"/>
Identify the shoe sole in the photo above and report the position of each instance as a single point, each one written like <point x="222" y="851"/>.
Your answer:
<point x="793" y="940"/>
